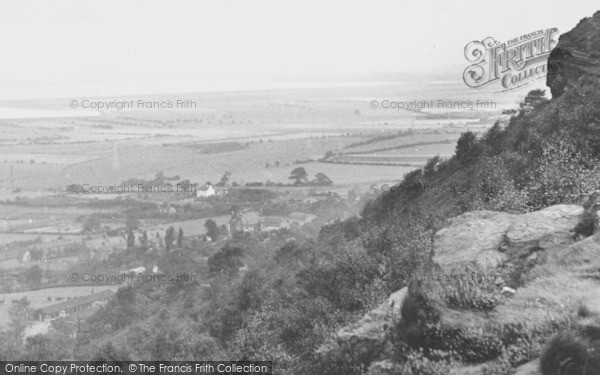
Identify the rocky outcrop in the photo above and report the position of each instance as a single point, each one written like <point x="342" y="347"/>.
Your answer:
<point x="541" y="230"/>
<point x="576" y="58"/>
<point x="368" y="336"/>
<point x="473" y="236"/>
<point x="489" y="238"/>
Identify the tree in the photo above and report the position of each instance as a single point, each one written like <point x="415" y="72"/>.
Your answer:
<point x="184" y="186"/>
<point x="159" y="178"/>
<point x="322" y="179"/>
<point x="160" y="241"/>
<point x="467" y="148"/>
<point x="353" y="195"/>
<point x="130" y="239"/>
<point x="36" y="254"/>
<point x="223" y="230"/>
<point x="224" y="179"/>
<point x="144" y="240"/>
<point x="12" y="339"/>
<point x="169" y="238"/>
<point x="34" y="276"/>
<point x="227" y="260"/>
<point x="131" y="221"/>
<point x="180" y="238"/>
<point x="212" y="230"/>
<point x="299" y="175"/>
<point x="494" y="138"/>
<point x="108" y="352"/>
<point x="92" y="224"/>
<point x="533" y="100"/>
<point x="51" y="346"/>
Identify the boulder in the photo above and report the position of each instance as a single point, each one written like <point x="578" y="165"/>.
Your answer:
<point x="475" y="235"/>
<point x="489" y="238"/>
<point x="543" y="229"/>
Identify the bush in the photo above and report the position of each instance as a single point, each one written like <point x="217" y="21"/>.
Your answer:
<point x="227" y="260"/>
<point x="585" y="226"/>
<point x="468" y="150"/>
<point x="416" y="363"/>
<point x="561" y="175"/>
<point x="570" y="354"/>
<point x="476" y="291"/>
<point x="494" y="187"/>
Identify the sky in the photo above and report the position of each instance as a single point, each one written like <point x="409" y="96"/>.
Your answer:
<point x="59" y="47"/>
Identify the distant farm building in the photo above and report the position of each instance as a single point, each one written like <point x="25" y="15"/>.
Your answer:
<point x="205" y="191"/>
<point x="73" y="306"/>
<point x="245" y="222"/>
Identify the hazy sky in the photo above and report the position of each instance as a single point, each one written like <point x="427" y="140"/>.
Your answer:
<point x="94" y="43"/>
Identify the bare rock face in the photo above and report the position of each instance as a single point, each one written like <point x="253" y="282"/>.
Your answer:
<point x="473" y="236"/>
<point x="488" y="237"/>
<point x="368" y="336"/>
<point x="543" y="229"/>
<point x="576" y="58"/>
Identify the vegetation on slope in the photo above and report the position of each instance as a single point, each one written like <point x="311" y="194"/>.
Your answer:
<point x="295" y="292"/>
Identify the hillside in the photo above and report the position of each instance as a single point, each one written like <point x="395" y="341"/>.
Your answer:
<point x="512" y="283"/>
<point x="502" y="286"/>
<point x="485" y="262"/>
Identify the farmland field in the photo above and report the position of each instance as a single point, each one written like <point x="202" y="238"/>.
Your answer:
<point x="284" y="126"/>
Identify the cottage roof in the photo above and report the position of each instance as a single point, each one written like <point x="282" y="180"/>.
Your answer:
<point x="76" y="302"/>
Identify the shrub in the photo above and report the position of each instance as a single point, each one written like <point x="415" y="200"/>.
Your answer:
<point x="468" y="149"/>
<point x="585" y="226"/>
<point x="417" y="307"/>
<point x="416" y="363"/>
<point x="227" y="260"/>
<point x="560" y="175"/>
<point x="570" y="354"/>
<point x="494" y="187"/>
<point x="471" y="292"/>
